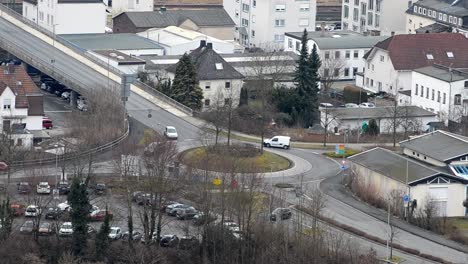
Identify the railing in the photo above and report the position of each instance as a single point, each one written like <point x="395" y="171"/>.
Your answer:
<point x="73" y="156"/>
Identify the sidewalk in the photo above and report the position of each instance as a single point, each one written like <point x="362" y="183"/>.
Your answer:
<point x="332" y="187"/>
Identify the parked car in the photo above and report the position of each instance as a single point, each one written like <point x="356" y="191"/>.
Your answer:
<point x="63" y="187"/>
<point x="188" y="242"/>
<point x="277" y="142"/>
<point x="231" y="225"/>
<point x="170" y="132"/>
<point x="27" y="227"/>
<point x="47" y="123"/>
<point x="326" y="105"/>
<point x="43" y="188"/>
<point x="115" y="233"/>
<point x="351" y="105"/>
<point x="145" y="198"/>
<point x="66" y="95"/>
<point x="53" y="213"/>
<point x="165" y="204"/>
<point x="136" y="195"/>
<point x="45" y="229"/>
<point x="17" y="209"/>
<point x="66" y="229"/>
<point x="64" y="206"/>
<point x="82" y="106"/>
<point x="136" y="235"/>
<point x="172" y="209"/>
<point x="24" y="188"/>
<point x="281" y="213"/>
<point x="169" y="241"/>
<point x="100" y="215"/>
<point x="202" y="218"/>
<point x="186" y="214"/>
<point x="100" y="189"/>
<point x="367" y="105"/>
<point x="32" y="211"/>
<point x="152" y="239"/>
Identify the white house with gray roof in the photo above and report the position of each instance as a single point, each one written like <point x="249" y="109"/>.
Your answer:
<point x="341" y="52"/>
<point x="441" y="90"/>
<point x="391" y="176"/>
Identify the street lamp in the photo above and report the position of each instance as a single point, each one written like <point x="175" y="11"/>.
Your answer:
<point x="56" y="165"/>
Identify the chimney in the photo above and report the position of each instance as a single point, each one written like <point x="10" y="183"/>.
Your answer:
<point x="392" y="33"/>
<point x="162" y="9"/>
<point x="202" y="43"/>
<point x="209" y="45"/>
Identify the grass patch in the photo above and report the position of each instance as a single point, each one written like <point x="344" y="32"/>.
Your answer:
<point x="348" y="152"/>
<point x="395" y="259"/>
<point x="202" y="158"/>
<point x="284" y="185"/>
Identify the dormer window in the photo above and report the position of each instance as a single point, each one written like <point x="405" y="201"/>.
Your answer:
<point x="450" y="54"/>
<point x="429" y="56"/>
<point x="219" y="66"/>
<point x="415" y="9"/>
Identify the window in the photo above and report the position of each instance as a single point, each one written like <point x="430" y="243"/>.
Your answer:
<point x="356" y="14"/>
<point x="227" y="85"/>
<point x="429" y="13"/>
<point x="444" y="98"/>
<point x="219" y="66"/>
<point x="422" y="91"/>
<point x="237" y="13"/>
<point x="279" y="37"/>
<point x="356" y="2"/>
<point x="326" y="72"/>
<point x="367" y="81"/>
<point x="429" y="56"/>
<point x="19" y="142"/>
<point x="454" y="21"/>
<point x="207" y="102"/>
<point x="377" y="20"/>
<point x="290" y="43"/>
<point x="327" y="54"/>
<point x="438" y="96"/>
<point x="337" y="54"/>
<point x="298" y="45"/>
<point x="48" y="19"/>
<point x="253" y="33"/>
<point x="382" y="58"/>
<point x="466" y="84"/>
<point x="254" y="3"/>
<point x="445" y="18"/>
<point x="227" y="101"/>
<point x="346" y="11"/>
<point x="378" y="6"/>
<point x="457" y="100"/>
<point x="279" y="22"/>
<point x="346" y="72"/>
<point x="253" y="18"/>
<point x="207" y="85"/>
<point x="305" y="7"/>
<point x="450" y="54"/>
<point x="420" y="10"/>
<point x="356" y="54"/>
<point x="304" y="22"/>
<point x="355" y="69"/>
<point x="434" y="14"/>
<point x="424" y="11"/>
<point x="373" y="67"/>
<point x="460" y="22"/>
<point x="368" y="66"/>
<point x="371" y="82"/>
<point x="336" y="72"/>
<point x="347" y="54"/>
<point x="440" y="16"/>
<point x="433" y="94"/>
<point x="245" y="22"/>
<point x="427" y="92"/>
<point x="450" y="19"/>
<point x="6" y="103"/>
<point x="280" y="8"/>
<point x="371" y="4"/>
<point x="416" y="90"/>
<point x="363" y="8"/>
<point x="379" y="86"/>
<point x="370" y="17"/>
<point x="415" y="9"/>
<point x="245" y="7"/>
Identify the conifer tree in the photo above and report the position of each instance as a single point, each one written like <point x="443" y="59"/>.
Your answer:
<point x="185" y="88"/>
<point x="79" y="204"/>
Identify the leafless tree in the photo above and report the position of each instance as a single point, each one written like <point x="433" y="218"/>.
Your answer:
<point x="330" y="72"/>
<point x="328" y="117"/>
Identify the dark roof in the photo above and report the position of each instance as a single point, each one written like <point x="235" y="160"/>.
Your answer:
<point x="70" y="1"/>
<point x="12" y="75"/>
<point x="408" y="52"/>
<point x="439" y="145"/>
<point x="393" y="165"/>
<point x="36" y="105"/>
<point x="205" y="60"/>
<point x="188" y="3"/>
<point x="433" y="28"/>
<point x="451" y="7"/>
<point x="376" y="112"/>
<point x="204" y="18"/>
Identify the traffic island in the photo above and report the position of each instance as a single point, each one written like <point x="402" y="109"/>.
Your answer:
<point x="245" y="158"/>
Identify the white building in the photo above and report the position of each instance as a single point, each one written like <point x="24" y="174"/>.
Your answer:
<point x="438" y="16"/>
<point x="262" y="23"/>
<point x="390" y="63"/>
<point x="341" y="52"/>
<point x="441" y="90"/>
<point x="177" y="41"/>
<point x="67" y="16"/>
<point x="116" y="7"/>
<point x="220" y="82"/>
<point x="21" y="103"/>
<point x="125" y="63"/>
<point x="379" y="17"/>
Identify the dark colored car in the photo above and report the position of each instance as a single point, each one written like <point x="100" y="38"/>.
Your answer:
<point x="202" y="218"/>
<point x="186" y="214"/>
<point x="281" y="213"/>
<point x="24" y="188"/>
<point x="188" y="242"/>
<point x="53" y="213"/>
<point x="64" y="188"/>
<point x="136" y="235"/>
<point x="100" y="189"/>
<point x="169" y="241"/>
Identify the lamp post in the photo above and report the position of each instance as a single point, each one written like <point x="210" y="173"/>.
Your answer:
<point x="56" y="165"/>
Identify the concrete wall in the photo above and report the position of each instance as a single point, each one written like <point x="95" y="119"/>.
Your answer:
<point x="423" y="158"/>
<point x="414" y="22"/>
<point x="30" y="11"/>
<point x="69" y="14"/>
<point x="456" y="194"/>
<point x="223" y="33"/>
<point x="34" y="122"/>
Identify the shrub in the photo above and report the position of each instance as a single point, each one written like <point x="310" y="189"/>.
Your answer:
<point x="348" y="153"/>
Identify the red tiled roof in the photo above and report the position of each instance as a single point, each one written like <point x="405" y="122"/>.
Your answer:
<point x="11" y="75"/>
<point x="408" y="52"/>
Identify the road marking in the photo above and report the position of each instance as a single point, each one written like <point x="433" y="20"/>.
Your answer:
<point x="59" y="111"/>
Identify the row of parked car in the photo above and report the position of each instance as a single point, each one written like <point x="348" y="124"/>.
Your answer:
<point x="43" y="188"/>
<point x="349" y="105"/>
<point x="50" y="85"/>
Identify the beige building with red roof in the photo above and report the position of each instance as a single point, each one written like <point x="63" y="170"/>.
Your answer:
<point x="21" y="106"/>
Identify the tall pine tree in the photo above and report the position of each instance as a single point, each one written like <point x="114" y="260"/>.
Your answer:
<point x="314" y="64"/>
<point x="102" y="238"/>
<point x="185" y="88"/>
<point x="79" y="203"/>
<point x="301" y="76"/>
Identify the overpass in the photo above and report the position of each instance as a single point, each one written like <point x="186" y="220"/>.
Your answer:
<point x="84" y="73"/>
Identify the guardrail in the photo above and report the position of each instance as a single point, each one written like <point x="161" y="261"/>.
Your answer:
<point x="101" y="63"/>
<point x="72" y="156"/>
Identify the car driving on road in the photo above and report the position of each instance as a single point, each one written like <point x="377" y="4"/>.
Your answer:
<point x="277" y="142"/>
<point x="170" y="132"/>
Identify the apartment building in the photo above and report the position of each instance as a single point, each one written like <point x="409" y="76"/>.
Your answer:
<point x="116" y="7"/>
<point x="438" y="16"/>
<point x="377" y="17"/>
<point x="262" y="23"/>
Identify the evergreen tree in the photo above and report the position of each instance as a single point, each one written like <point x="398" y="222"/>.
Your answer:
<point x="6" y="219"/>
<point x="244" y="96"/>
<point x="311" y="106"/>
<point x="301" y="76"/>
<point x="102" y="238"/>
<point x="185" y="88"/>
<point x="79" y="204"/>
<point x="373" y="128"/>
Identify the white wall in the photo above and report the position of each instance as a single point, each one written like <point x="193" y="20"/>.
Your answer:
<point x="34" y="122"/>
<point x="414" y="22"/>
<point x="119" y="6"/>
<point x="139" y="52"/>
<point x="17" y="115"/>
<point x="30" y="11"/>
<point x="456" y="194"/>
<point x="423" y="158"/>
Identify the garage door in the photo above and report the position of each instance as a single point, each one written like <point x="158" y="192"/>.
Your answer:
<point x="439" y="197"/>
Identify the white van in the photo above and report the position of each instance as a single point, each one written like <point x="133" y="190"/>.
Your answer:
<point x="277" y="142"/>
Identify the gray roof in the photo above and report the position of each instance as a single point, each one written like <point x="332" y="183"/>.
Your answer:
<point x="439" y="145"/>
<point x="325" y="34"/>
<point x="393" y="165"/>
<point x="205" y="60"/>
<point x="124" y="41"/>
<point x="120" y="58"/>
<point x="348" y="42"/>
<point x="376" y="112"/>
<point x="445" y="6"/>
<point x="433" y="28"/>
<point x="202" y="17"/>
<point x="443" y="73"/>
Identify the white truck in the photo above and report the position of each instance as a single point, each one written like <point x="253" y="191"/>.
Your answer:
<point x="277" y="142"/>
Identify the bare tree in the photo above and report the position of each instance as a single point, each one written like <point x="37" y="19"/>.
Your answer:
<point x="330" y="72"/>
<point x="327" y="118"/>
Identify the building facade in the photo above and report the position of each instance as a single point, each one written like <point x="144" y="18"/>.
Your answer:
<point x="119" y="6"/>
<point x="67" y="16"/>
<point x="438" y="16"/>
<point x="262" y="23"/>
<point x="378" y="17"/>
